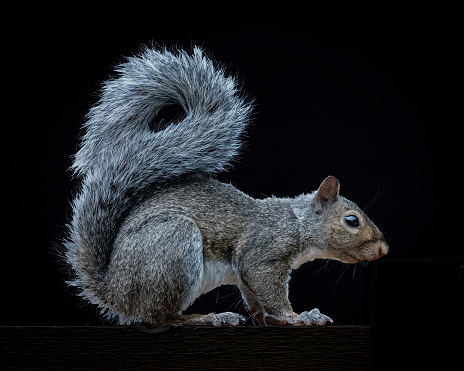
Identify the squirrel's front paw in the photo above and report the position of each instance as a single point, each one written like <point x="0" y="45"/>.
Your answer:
<point x="312" y="318"/>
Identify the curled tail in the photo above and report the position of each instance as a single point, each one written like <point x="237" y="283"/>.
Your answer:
<point x="120" y="156"/>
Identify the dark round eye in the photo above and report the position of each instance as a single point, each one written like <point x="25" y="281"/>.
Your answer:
<point x="352" y="220"/>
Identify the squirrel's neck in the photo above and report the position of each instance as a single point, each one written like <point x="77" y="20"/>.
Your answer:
<point x="301" y="207"/>
<point x="307" y="222"/>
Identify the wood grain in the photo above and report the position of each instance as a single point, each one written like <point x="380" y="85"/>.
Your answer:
<point x="192" y="347"/>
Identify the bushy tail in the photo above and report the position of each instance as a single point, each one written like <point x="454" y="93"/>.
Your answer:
<point x="120" y="156"/>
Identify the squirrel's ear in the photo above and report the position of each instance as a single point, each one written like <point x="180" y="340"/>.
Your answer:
<point x="326" y="194"/>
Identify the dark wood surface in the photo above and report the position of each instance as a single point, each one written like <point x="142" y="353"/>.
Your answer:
<point x="190" y="347"/>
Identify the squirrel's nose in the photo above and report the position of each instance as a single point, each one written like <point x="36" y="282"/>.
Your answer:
<point x="383" y="249"/>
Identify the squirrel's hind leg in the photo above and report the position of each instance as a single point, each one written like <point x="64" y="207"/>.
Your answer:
<point x="157" y="263"/>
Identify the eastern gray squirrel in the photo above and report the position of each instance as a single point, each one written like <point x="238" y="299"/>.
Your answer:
<point x="152" y="229"/>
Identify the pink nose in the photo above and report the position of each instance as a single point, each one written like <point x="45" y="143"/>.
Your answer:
<point x="383" y="249"/>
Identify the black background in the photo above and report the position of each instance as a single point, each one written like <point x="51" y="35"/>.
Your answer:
<point x="366" y="95"/>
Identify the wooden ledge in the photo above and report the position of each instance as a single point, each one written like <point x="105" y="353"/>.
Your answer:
<point x="192" y="347"/>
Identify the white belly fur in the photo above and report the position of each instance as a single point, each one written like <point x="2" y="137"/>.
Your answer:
<point x="215" y="273"/>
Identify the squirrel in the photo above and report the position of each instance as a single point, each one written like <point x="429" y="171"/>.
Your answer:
<point x="152" y="229"/>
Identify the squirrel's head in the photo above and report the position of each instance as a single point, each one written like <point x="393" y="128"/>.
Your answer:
<point x="345" y="232"/>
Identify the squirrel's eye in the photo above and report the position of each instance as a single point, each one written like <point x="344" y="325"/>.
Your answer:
<point x="352" y="220"/>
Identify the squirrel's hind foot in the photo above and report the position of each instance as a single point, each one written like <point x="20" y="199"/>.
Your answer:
<point x="211" y="319"/>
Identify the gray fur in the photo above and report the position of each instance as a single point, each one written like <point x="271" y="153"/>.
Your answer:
<point x="152" y="231"/>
